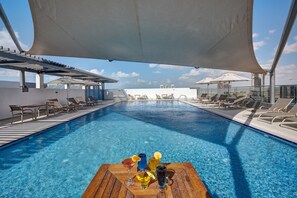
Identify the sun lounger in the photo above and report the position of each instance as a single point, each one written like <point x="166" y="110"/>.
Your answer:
<point x="17" y="110"/>
<point x="158" y="97"/>
<point x="199" y="99"/>
<point x="143" y="97"/>
<point x="73" y="102"/>
<point x="81" y="101"/>
<point x="272" y="116"/>
<point x="251" y="103"/>
<point x="170" y="97"/>
<point x="222" y="98"/>
<point x="290" y="123"/>
<point x="56" y="106"/>
<point x="235" y="103"/>
<point x="91" y="99"/>
<point x="130" y="97"/>
<point x="210" y="100"/>
<point x="280" y="105"/>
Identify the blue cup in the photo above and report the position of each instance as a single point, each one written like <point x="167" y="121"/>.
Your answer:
<point x="142" y="163"/>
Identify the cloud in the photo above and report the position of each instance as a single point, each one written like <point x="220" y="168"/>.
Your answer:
<point x="7" y="42"/>
<point x="121" y="74"/>
<point x="255" y="35"/>
<point x="157" y="72"/>
<point x="291" y="48"/>
<point x="258" y="44"/>
<point x="191" y="73"/>
<point x="266" y="66"/>
<point x="153" y="65"/>
<point x="13" y="75"/>
<point x="194" y="74"/>
<point x="96" y="71"/>
<point x="164" y="66"/>
<point x="272" y="31"/>
<point x="284" y="74"/>
<point x="140" y="80"/>
<point x="9" y="73"/>
<point x="202" y="71"/>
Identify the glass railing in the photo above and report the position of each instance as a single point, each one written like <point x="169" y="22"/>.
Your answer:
<point x="260" y="93"/>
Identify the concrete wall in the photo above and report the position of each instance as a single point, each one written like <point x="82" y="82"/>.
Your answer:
<point x="9" y="96"/>
<point x="177" y="92"/>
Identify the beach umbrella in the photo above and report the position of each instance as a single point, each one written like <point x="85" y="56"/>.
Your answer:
<point x="229" y="77"/>
<point x="90" y="83"/>
<point x="66" y="81"/>
<point x="206" y="81"/>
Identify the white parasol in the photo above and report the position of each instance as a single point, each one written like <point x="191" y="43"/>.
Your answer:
<point x="207" y="80"/>
<point x="229" y="77"/>
<point x="66" y="81"/>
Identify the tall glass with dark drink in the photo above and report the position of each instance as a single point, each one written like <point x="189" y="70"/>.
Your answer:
<point x="161" y="175"/>
<point x="142" y="162"/>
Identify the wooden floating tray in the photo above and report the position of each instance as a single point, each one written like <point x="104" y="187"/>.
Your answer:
<point x="109" y="181"/>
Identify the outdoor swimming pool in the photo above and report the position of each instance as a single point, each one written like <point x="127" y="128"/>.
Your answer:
<point x="232" y="160"/>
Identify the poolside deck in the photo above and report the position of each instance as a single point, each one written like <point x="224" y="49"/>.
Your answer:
<point x="10" y="133"/>
<point x="242" y="116"/>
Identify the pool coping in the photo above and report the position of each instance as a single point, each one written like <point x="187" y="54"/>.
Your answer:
<point x="54" y="123"/>
<point x="83" y="113"/>
<point x="263" y="127"/>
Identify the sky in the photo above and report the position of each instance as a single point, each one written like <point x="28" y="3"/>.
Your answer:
<point x="268" y="21"/>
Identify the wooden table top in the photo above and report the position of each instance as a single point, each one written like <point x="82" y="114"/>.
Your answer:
<point x="109" y="181"/>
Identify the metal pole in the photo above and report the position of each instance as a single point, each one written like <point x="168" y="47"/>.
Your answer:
<point x="286" y="32"/>
<point x="22" y="79"/>
<point x="9" y="28"/>
<point x="272" y="86"/>
<point x="285" y="35"/>
<point x="263" y="85"/>
<point x="103" y="90"/>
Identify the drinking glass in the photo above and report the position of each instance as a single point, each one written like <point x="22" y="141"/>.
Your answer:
<point x="128" y="163"/>
<point x="153" y="163"/>
<point x="144" y="179"/>
<point x="142" y="162"/>
<point x="161" y="175"/>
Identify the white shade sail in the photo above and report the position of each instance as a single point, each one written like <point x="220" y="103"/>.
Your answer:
<point x="211" y="34"/>
<point x="229" y="77"/>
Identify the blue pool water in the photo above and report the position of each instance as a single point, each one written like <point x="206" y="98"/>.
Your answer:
<point x="232" y="160"/>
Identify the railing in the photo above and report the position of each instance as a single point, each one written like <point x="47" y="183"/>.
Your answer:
<point x="261" y="93"/>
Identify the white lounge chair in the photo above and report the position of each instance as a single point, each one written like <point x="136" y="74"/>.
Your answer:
<point x="290" y="123"/>
<point x="280" y="105"/>
<point x="235" y="103"/>
<point x="272" y="116"/>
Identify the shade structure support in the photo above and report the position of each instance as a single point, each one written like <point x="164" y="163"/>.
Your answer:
<point x="285" y="35"/>
<point x="39" y="81"/>
<point x="272" y="86"/>
<point x="102" y="91"/>
<point x="23" y="81"/>
<point x="263" y="85"/>
<point x="9" y="28"/>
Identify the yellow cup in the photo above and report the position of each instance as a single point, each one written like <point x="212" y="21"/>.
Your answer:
<point x="144" y="180"/>
<point x="153" y="163"/>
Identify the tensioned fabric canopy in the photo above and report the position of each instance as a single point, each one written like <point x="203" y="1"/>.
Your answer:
<point x="200" y="33"/>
